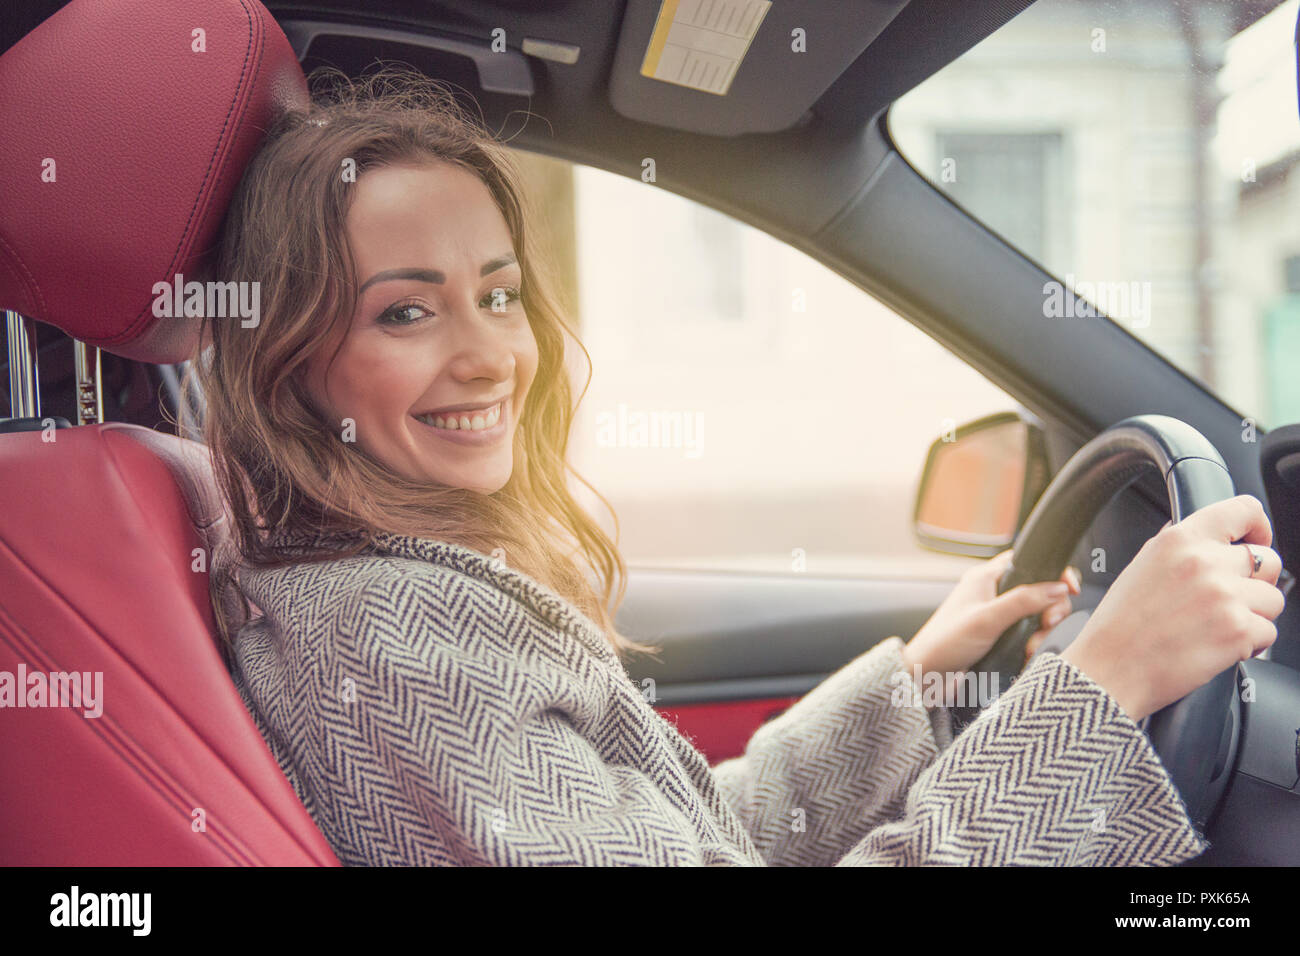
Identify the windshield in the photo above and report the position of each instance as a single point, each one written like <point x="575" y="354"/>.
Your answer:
<point x="1142" y="151"/>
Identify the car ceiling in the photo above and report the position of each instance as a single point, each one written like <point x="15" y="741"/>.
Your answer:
<point x="600" y="109"/>
<point x="894" y="44"/>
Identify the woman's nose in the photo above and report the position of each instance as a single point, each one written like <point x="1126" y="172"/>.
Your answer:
<point x="481" y="350"/>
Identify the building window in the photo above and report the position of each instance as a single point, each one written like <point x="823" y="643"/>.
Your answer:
<point x="981" y="165"/>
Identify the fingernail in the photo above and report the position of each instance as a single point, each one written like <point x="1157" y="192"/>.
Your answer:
<point x="1059" y="589"/>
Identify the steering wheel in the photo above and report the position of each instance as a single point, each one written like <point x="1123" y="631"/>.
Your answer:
<point x="1194" y="737"/>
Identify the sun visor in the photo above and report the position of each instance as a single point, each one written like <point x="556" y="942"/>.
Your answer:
<point x="728" y="67"/>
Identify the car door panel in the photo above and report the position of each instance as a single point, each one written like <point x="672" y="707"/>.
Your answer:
<point x="737" y="649"/>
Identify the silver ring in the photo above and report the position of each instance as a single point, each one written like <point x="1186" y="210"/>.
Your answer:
<point x="1256" y="561"/>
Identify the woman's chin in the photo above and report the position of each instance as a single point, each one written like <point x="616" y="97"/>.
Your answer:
<point x="485" y="481"/>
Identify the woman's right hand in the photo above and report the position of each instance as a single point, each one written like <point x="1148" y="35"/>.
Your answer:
<point x="1184" y="609"/>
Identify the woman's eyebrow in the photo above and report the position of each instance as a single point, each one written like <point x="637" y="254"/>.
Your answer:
<point x="434" y="276"/>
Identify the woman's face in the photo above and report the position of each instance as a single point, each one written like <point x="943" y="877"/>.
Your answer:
<point x="436" y="363"/>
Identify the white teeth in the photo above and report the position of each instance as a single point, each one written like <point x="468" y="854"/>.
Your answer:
<point x="466" y="422"/>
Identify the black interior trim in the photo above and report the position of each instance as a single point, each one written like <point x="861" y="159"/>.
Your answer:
<point x="924" y="38"/>
<point x="717" y="627"/>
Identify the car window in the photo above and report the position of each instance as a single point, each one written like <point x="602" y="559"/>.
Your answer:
<point x="749" y="409"/>
<point x="1144" y="153"/>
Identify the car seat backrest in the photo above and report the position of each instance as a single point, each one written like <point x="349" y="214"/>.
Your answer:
<point x="104" y="540"/>
<point x="124" y="129"/>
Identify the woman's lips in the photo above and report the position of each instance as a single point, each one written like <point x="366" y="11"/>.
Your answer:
<point x="466" y="433"/>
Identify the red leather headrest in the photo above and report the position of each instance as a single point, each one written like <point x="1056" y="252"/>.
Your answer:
<point x="124" y="129"/>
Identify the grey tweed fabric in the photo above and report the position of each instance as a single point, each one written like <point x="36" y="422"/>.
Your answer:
<point x="430" y="705"/>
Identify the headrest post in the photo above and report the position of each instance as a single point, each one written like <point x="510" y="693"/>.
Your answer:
<point x="24" y="387"/>
<point x="90" y="397"/>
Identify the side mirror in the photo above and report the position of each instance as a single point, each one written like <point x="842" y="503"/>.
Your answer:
<point x="979" y="485"/>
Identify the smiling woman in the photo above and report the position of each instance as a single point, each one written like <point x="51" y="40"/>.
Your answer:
<point x="389" y="385"/>
<point x="451" y="345"/>
<point x="403" y="410"/>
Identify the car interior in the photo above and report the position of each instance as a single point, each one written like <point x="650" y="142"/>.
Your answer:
<point x="123" y="149"/>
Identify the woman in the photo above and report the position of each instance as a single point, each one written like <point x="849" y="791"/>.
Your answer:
<point x="435" y="665"/>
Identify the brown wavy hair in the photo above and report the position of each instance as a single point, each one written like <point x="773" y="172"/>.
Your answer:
<point x="280" y="465"/>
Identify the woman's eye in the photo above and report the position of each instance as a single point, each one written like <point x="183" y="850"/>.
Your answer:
<point x="500" y="298"/>
<point x="404" y="313"/>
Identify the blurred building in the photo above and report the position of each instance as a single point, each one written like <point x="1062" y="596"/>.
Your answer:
<point x="1119" y="142"/>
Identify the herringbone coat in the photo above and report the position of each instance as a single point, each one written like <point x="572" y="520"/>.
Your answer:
<point x="432" y="706"/>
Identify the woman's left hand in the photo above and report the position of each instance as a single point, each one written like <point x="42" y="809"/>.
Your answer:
<point x="971" y="619"/>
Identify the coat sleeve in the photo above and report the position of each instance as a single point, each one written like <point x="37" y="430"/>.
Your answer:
<point x="817" y="779"/>
<point x="1053" y="773"/>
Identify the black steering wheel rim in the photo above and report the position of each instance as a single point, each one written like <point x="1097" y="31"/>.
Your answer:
<point x="1192" y="735"/>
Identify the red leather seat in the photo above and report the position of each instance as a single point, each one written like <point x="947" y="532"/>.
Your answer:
<point x="99" y="527"/>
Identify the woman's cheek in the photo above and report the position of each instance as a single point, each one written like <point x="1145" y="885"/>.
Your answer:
<point x="528" y="357"/>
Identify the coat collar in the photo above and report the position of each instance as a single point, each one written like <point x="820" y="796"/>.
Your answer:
<point x="544" y="602"/>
